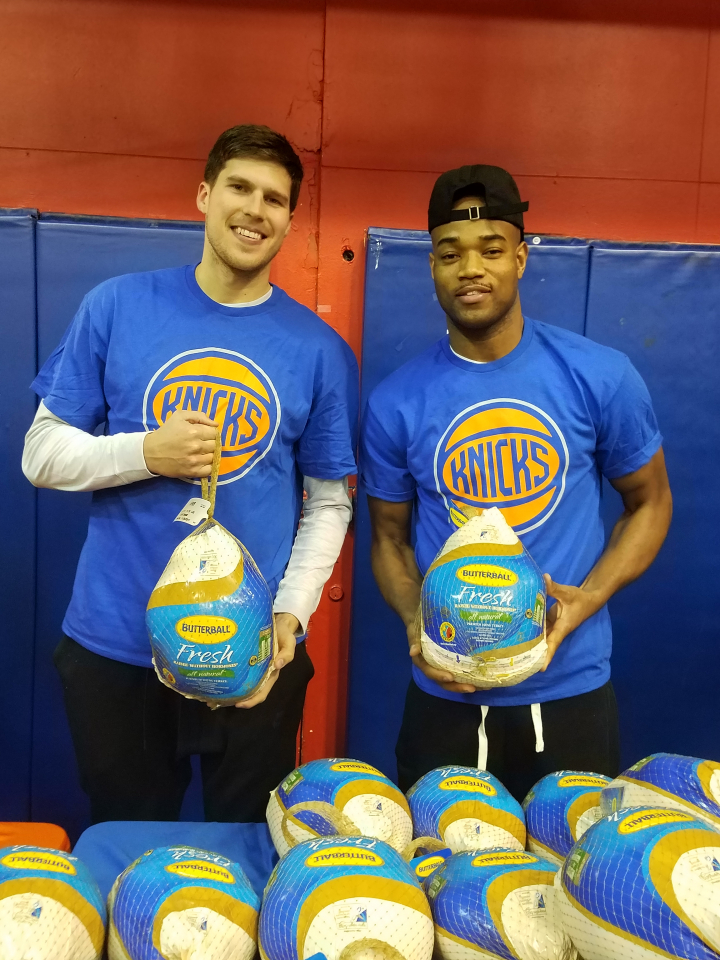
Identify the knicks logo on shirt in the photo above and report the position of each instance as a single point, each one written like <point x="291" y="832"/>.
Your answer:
<point x="230" y="389"/>
<point x="502" y="453"/>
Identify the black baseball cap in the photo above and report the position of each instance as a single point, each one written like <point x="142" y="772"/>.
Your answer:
<point x="502" y="197"/>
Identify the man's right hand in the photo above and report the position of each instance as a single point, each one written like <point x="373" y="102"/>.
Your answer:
<point x="400" y="580"/>
<point x="182" y="447"/>
<point x="441" y="677"/>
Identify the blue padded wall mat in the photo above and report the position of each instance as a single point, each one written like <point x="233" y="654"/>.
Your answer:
<point x="17" y="557"/>
<point x="659" y="305"/>
<point x="74" y="254"/>
<point x="402" y="318"/>
<point x="107" y="849"/>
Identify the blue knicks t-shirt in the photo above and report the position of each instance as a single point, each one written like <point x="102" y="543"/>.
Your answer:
<point x="532" y="434"/>
<point x="281" y="384"/>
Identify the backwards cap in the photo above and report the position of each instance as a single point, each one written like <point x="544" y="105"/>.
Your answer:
<point x="502" y="197"/>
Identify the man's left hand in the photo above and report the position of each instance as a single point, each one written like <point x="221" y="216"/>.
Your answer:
<point x="285" y="626"/>
<point x="574" y="606"/>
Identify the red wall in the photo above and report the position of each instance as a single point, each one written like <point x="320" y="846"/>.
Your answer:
<point x="608" y="114"/>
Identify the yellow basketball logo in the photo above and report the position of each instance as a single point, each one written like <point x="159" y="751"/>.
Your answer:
<point x="230" y="389"/>
<point x="503" y="453"/>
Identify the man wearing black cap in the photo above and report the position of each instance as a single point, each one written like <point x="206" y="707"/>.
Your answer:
<point x="527" y="417"/>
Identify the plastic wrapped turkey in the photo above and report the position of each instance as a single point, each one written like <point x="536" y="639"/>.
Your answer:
<point x="210" y="616"/>
<point x="181" y="903"/>
<point x="483" y="605"/>
<point x="50" y="906"/>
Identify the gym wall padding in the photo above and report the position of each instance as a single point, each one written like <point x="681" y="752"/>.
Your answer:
<point x="74" y="254"/>
<point x="659" y="305"/>
<point x="17" y="557"/>
<point x="402" y="318"/>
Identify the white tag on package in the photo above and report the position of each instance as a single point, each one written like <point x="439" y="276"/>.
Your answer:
<point x="194" y="511"/>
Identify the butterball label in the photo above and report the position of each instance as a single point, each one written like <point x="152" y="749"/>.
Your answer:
<point x="352" y="766"/>
<point x="34" y="860"/>
<point x="652" y="818"/>
<point x="503" y="859"/>
<point x="344" y="857"/>
<point x="428" y="865"/>
<point x="486" y="574"/>
<point x="206" y="629"/>
<point x="582" y="782"/>
<point x="468" y="784"/>
<point x="199" y="869"/>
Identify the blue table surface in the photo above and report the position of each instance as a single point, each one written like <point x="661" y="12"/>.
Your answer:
<point x="107" y="848"/>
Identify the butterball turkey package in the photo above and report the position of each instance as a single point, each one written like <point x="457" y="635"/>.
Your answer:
<point x="181" y="903"/>
<point x="50" y="906"/>
<point x="210" y="618"/>
<point x="483" y="605"/>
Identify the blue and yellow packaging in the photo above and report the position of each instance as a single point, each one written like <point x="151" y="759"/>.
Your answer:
<point x="466" y="808"/>
<point x="50" y="906"/>
<point x="500" y="903"/>
<point x="210" y="617"/>
<point x="668" y="780"/>
<point x="182" y="902"/>
<point x="483" y="605"/>
<point x="363" y="794"/>
<point x="344" y="897"/>
<point x="644" y="883"/>
<point x="559" y="809"/>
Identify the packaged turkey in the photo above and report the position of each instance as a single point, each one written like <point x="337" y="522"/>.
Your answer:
<point x="483" y="605"/>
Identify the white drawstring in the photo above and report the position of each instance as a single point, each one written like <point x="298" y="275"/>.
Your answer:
<point x="536" y="714"/>
<point x="538" y="727"/>
<point x="482" y="741"/>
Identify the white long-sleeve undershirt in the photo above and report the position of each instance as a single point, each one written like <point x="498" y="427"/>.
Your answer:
<point x="62" y="457"/>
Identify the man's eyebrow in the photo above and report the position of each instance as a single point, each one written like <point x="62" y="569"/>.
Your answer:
<point x="483" y="236"/>
<point x="242" y="181"/>
<point x="278" y="194"/>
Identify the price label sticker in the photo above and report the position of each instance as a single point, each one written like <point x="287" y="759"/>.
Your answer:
<point x="193" y="512"/>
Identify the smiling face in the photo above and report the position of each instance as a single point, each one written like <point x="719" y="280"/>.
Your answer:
<point x="476" y="266"/>
<point x="247" y="213"/>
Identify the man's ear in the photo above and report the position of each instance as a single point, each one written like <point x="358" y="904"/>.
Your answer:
<point x="521" y="255"/>
<point x="287" y="229"/>
<point x="432" y="265"/>
<point x="203" y="196"/>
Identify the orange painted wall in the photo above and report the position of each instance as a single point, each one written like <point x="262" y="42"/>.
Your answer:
<point x="608" y="114"/>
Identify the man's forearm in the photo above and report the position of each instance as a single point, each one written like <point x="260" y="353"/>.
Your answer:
<point x="317" y="546"/>
<point x="633" y="545"/>
<point x="398" y="577"/>
<point x="62" y="457"/>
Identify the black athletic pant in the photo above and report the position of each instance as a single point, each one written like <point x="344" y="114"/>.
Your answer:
<point x="580" y="733"/>
<point x="134" y="737"/>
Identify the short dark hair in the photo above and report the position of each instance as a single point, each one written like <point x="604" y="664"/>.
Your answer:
<point x="260" y="143"/>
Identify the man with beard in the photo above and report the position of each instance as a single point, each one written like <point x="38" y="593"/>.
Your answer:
<point x="527" y="417"/>
<point x="167" y="360"/>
